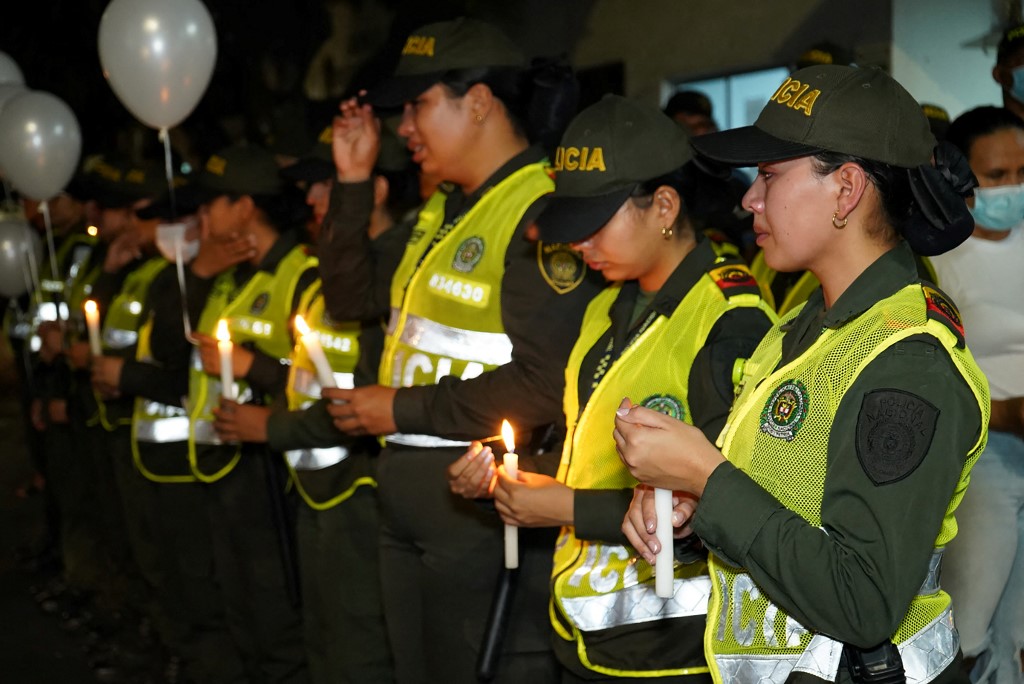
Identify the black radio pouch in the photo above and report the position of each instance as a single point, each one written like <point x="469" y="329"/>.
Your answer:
<point x="880" y="664"/>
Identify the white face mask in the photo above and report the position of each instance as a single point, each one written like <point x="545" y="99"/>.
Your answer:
<point x="174" y="239"/>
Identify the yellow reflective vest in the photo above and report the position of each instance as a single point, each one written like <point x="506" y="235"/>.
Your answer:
<point x="446" y="299"/>
<point x="340" y="343"/>
<point x="122" y="323"/>
<point x="598" y="586"/>
<point x="782" y="444"/>
<point x="259" y="312"/>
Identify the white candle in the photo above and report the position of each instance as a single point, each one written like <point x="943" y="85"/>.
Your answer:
<point x="664" y="561"/>
<point x="92" y="322"/>
<point x="511" y="460"/>
<point x="227" y="372"/>
<point x="311" y="341"/>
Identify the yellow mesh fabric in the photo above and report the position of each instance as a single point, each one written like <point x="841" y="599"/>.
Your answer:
<point x="793" y="470"/>
<point x="585" y="569"/>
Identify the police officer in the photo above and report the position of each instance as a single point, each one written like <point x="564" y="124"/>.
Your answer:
<point x="337" y="524"/>
<point x="669" y="329"/>
<point x="859" y="415"/>
<point x="249" y="517"/>
<point x="481" y="324"/>
<point x="1008" y="71"/>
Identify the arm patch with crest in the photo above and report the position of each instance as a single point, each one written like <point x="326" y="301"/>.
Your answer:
<point x="560" y="265"/>
<point x="894" y="431"/>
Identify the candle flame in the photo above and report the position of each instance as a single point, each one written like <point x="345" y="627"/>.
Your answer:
<point x="90" y="307"/>
<point x="222" y="331"/>
<point x="93" y="231"/>
<point x="508" y="436"/>
<point x="300" y="325"/>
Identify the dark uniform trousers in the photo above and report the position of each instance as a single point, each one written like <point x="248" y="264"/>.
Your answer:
<point x="441" y="556"/>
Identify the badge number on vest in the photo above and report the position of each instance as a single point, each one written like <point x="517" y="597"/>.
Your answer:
<point x="785" y="410"/>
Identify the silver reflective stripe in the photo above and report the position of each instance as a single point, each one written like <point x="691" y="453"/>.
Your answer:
<point x="316" y="459"/>
<point x="929" y="652"/>
<point x="931" y="580"/>
<point x="116" y="338"/>
<point x="429" y="336"/>
<point x="51" y="285"/>
<point x="821" y="658"/>
<point x="162" y="430"/>
<point x="205" y="434"/>
<point x="925" y="655"/>
<point x="47" y="311"/>
<point x="423" y="441"/>
<point x="306" y="384"/>
<point x="637" y="604"/>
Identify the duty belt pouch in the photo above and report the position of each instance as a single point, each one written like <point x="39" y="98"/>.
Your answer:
<point x="880" y="664"/>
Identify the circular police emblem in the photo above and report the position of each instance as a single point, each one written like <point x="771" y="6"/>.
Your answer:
<point x="468" y="255"/>
<point x="665" y="403"/>
<point x="260" y="303"/>
<point x="785" y="410"/>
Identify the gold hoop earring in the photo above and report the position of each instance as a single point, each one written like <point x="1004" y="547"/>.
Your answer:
<point x="837" y="224"/>
<point x="667" y="232"/>
<point x="479" y="120"/>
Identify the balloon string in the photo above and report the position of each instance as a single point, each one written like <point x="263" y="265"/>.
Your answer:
<point x="44" y="207"/>
<point x="33" y="275"/>
<point x="179" y="263"/>
<point x="165" y="137"/>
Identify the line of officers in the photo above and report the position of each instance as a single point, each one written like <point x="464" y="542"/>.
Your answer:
<point x="249" y="531"/>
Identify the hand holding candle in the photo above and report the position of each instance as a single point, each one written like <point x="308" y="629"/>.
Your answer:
<point x="227" y="374"/>
<point x="311" y="341"/>
<point x="92" y="322"/>
<point x="511" y="460"/>
<point x="664" y="561"/>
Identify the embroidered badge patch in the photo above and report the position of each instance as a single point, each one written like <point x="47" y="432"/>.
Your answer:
<point x="667" y="404"/>
<point x="260" y="303"/>
<point x="894" y="430"/>
<point x="561" y="266"/>
<point x="468" y="255"/>
<point x="734" y="279"/>
<point x="785" y="411"/>
<point x="941" y="309"/>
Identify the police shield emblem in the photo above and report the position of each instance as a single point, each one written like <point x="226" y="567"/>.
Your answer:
<point x="260" y="303"/>
<point x="561" y="266"/>
<point x="785" y="410"/>
<point x="468" y="255"/>
<point x="667" y="404"/>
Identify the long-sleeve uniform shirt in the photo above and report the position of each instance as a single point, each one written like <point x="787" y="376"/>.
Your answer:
<point x="854" y="583"/>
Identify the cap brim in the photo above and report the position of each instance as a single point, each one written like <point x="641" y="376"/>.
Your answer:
<point x="397" y="90"/>
<point x="571" y="219"/>
<point x="748" y="146"/>
<point x="309" y="170"/>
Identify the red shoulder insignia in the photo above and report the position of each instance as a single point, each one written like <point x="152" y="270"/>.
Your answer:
<point x="734" y="279"/>
<point x="942" y="309"/>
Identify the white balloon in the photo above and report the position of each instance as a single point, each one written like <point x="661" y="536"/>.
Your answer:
<point x="17" y="241"/>
<point x="9" y="70"/>
<point x="158" y="56"/>
<point x="40" y="143"/>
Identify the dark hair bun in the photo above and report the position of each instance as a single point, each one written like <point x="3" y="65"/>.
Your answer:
<point x="941" y="220"/>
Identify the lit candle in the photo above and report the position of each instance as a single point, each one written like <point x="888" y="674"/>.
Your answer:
<point x="227" y="373"/>
<point x="311" y="341"/>
<point x="93" y="231"/>
<point x="92" y="321"/>
<point x="664" y="561"/>
<point x="511" y="460"/>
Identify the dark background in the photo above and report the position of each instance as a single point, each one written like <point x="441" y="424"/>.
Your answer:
<point x="263" y="50"/>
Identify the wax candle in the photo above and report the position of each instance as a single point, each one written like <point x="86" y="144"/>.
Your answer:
<point x="511" y="460"/>
<point x="664" y="561"/>
<point x="227" y="372"/>
<point x="92" y="321"/>
<point x="311" y="341"/>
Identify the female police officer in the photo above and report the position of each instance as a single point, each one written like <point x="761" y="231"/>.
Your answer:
<point x="860" y="414"/>
<point x="669" y="328"/>
<point x="481" y="325"/>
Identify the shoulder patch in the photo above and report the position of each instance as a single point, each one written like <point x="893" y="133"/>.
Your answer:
<point x="561" y="266"/>
<point x="260" y="303"/>
<point x="894" y="431"/>
<point x="942" y="309"/>
<point x="734" y="279"/>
